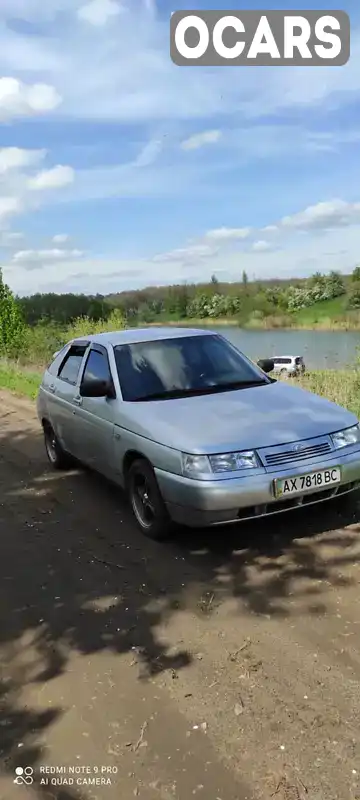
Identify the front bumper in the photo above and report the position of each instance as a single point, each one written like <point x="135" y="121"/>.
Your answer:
<point x="201" y="503"/>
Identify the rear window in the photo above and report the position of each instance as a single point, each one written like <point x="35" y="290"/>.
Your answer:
<point x="299" y="360"/>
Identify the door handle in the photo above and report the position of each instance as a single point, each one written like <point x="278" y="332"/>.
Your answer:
<point x="51" y="388"/>
<point x="77" y="400"/>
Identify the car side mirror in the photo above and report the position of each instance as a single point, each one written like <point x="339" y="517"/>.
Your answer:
<point x="93" y="387"/>
<point x="266" y="364"/>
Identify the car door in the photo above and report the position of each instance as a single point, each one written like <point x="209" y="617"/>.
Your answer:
<point x="60" y="389"/>
<point x="95" y="415"/>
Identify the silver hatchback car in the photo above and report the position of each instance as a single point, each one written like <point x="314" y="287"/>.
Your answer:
<point x="194" y="431"/>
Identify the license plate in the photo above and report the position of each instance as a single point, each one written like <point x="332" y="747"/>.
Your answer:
<point x="284" y="487"/>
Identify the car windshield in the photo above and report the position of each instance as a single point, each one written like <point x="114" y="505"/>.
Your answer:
<point x="183" y="366"/>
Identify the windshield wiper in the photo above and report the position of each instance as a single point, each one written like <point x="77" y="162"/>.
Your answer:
<point x="176" y="394"/>
<point x="225" y="387"/>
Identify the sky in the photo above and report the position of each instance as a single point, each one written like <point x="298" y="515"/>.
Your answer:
<point x="120" y="170"/>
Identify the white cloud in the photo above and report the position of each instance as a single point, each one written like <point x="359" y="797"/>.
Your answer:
<point x="34" y="10"/>
<point x="129" y="78"/>
<point x="83" y="274"/>
<point x="54" y="178"/>
<point x="272" y="140"/>
<point x="45" y="255"/>
<point x="170" y="180"/>
<point x="18" y="99"/>
<point x="11" y="238"/>
<point x="149" y="153"/>
<point x="99" y="12"/>
<point x="201" y="139"/>
<point x="9" y="206"/>
<point x="60" y="238"/>
<point x="270" y="229"/>
<point x="261" y="246"/>
<point x="186" y="254"/>
<point x="14" y="158"/>
<point x="20" y="186"/>
<point x="322" y="216"/>
<point x="130" y="75"/>
<point x="228" y="234"/>
<point x="32" y="259"/>
<point x="67" y="270"/>
<point x="338" y="250"/>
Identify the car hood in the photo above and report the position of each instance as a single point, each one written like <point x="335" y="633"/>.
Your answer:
<point x="250" y="418"/>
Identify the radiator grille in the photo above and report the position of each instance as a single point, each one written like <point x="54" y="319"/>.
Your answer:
<point x="288" y="456"/>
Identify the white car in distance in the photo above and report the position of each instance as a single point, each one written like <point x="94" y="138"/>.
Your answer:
<point x="288" y="366"/>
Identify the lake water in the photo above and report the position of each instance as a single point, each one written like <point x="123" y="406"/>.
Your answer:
<point x="321" y="349"/>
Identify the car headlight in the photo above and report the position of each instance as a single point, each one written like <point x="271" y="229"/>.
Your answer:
<point x="195" y="466"/>
<point x="346" y="437"/>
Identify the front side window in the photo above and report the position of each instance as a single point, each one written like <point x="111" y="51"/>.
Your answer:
<point x="187" y="365"/>
<point x="97" y="367"/>
<point x="70" y="367"/>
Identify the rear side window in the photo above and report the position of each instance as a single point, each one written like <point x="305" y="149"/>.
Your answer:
<point x="282" y="361"/>
<point x="70" y="367"/>
<point x="55" y="364"/>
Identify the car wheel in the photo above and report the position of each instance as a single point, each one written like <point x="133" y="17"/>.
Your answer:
<point x="146" y="502"/>
<point x="57" y="456"/>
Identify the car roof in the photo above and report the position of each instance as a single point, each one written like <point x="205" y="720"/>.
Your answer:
<point x="133" y="335"/>
<point x="276" y="357"/>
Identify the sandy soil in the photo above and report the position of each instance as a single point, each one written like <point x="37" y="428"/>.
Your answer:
<point x="223" y="665"/>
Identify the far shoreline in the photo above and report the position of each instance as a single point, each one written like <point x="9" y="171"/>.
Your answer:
<point x="342" y="326"/>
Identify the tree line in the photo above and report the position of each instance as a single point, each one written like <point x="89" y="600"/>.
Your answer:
<point x="240" y="300"/>
<point x="32" y="328"/>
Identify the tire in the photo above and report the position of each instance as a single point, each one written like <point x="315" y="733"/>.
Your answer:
<point x="58" y="457"/>
<point x="146" y="501"/>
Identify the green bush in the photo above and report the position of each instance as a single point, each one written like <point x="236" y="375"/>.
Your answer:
<point x="319" y="287"/>
<point x="354" y="296"/>
<point x="41" y="341"/>
<point x="83" y="326"/>
<point x="217" y="305"/>
<point x="12" y="328"/>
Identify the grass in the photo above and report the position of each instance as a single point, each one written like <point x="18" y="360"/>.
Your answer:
<point x="339" y="386"/>
<point x="324" y="310"/>
<point x="19" y="380"/>
<point x="328" y="315"/>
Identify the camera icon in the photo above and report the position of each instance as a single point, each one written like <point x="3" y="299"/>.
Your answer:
<point x="24" y="776"/>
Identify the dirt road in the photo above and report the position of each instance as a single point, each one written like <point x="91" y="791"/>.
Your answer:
<point x="224" y="665"/>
